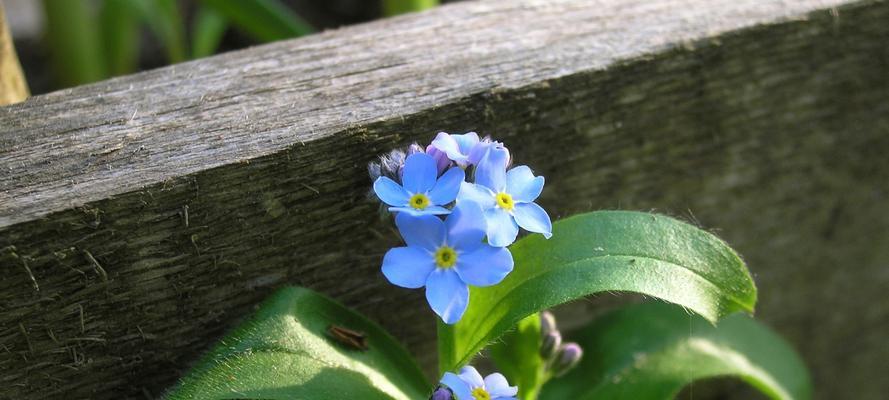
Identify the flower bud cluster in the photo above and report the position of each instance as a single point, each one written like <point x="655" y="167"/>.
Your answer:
<point x="559" y="357"/>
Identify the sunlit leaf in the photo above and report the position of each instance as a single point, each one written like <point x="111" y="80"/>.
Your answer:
<point x="603" y="251"/>
<point x="286" y="352"/>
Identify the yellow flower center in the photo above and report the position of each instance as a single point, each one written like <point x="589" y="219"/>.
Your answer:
<point x="504" y="201"/>
<point x="480" y="394"/>
<point x="445" y="257"/>
<point x="419" y="201"/>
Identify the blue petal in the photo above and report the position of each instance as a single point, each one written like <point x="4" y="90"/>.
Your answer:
<point x="471" y="376"/>
<point x="484" y="266"/>
<point x="480" y="195"/>
<point x="457" y="147"/>
<point x="522" y="185"/>
<point x="447" y="294"/>
<point x="424" y="231"/>
<point x="431" y="210"/>
<point x="491" y="170"/>
<point x="502" y="230"/>
<point x="420" y="172"/>
<point x="466" y="141"/>
<point x="466" y="226"/>
<point x="533" y="218"/>
<point x="498" y="387"/>
<point x="408" y="267"/>
<point x="480" y="150"/>
<point x="447" y="187"/>
<point x="390" y="192"/>
<point x="449" y="146"/>
<point x="458" y="386"/>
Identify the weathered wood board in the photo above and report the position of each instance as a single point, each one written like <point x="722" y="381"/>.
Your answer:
<point x="142" y="217"/>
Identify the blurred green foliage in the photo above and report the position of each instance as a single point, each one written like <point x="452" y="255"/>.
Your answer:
<point x="74" y="42"/>
<point x="265" y="20"/>
<point x="94" y="40"/>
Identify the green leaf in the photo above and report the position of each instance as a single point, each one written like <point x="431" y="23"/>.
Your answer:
<point x="653" y="350"/>
<point x="119" y="24"/>
<point x="209" y="26"/>
<point x="603" y="251"/>
<point x="395" y="7"/>
<point x="285" y="352"/>
<point x="517" y="356"/>
<point x="73" y="38"/>
<point x="265" y="20"/>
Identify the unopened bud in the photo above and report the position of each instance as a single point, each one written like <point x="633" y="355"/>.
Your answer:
<point x="373" y="169"/>
<point x="547" y="323"/>
<point x="550" y="345"/>
<point x="389" y="165"/>
<point x="441" y="394"/>
<point x="568" y="357"/>
<point x="414" y="148"/>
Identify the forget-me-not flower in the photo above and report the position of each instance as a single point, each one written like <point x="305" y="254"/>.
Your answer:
<point x="469" y="385"/>
<point x="457" y="147"/>
<point x="464" y="150"/>
<point x="445" y="257"/>
<point x="507" y="198"/>
<point x="422" y="191"/>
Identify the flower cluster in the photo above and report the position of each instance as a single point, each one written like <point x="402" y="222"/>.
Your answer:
<point x="456" y="229"/>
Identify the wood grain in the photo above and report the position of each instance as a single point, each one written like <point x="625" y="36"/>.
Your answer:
<point x="143" y="216"/>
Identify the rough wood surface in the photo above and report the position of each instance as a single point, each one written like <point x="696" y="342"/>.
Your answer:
<point x="13" y="87"/>
<point x="143" y="216"/>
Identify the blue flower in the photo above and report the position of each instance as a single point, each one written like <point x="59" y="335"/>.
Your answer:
<point x="445" y="257"/>
<point x="464" y="150"/>
<point x="469" y="385"/>
<point x="507" y="198"/>
<point x="422" y="192"/>
<point x="457" y="147"/>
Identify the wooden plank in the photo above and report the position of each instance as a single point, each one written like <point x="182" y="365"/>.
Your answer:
<point x="143" y="216"/>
